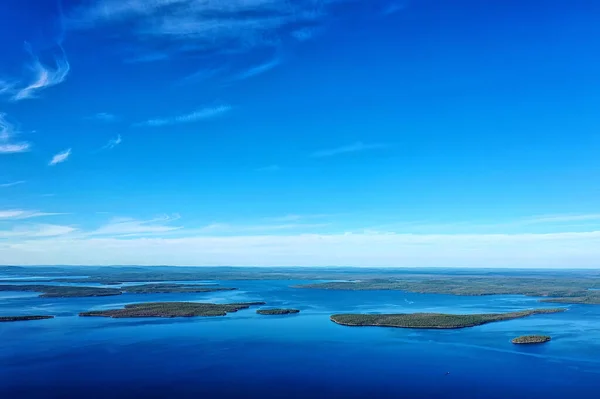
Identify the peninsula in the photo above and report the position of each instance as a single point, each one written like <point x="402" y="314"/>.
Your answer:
<point x="23" y="318"/>
<point x="433" y="320"/>
<point x="277" y="311"/>
<point x="171" y="309"/>
<point x="531" y="339"/>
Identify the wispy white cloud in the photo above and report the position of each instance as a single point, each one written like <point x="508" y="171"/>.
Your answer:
<point x="14" y="214"/>
<point x="37" y="231"/>
<point x="226" y="228"/>
<point x="563" y="218"/>
<point x="258" y="69"/>
<point x="112" y="143"/>
<point x="133" y="227"/>
<point x="198" y="115"/>
<point x="201" y="75"/>
<point x="60" y="157"/>
<point x="216" y="25"/>
<point x="13" y="183"/>
<point x="44" y="76"/>
<point x="14" y="148"/>
<point x="7" y="133"/>
<point x="104" y="117"/>
<point x="565" y="249"/>
<point x="356" y="147"/>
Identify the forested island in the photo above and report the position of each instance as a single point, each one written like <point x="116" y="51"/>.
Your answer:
<point x="562" y="290"/>
<point x="23" y="318"/>
<point x="433" y="320"/>
<point x="277" y="311"/>
<point x="166" y="288"/>
<point x="531" y="339"/>
<point x="55" y="291"/>
<point x="172" y="309"/>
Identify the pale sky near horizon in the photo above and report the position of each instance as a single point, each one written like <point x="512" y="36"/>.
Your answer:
<point x="300" y="133"/>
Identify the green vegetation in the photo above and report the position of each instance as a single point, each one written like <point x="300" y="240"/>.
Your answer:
<point x="531" y="339"/>
<point x="54" y="291"/>
<point x="432" y="320"/>
<point x="172" y="309"/>
<point x="564" y="290"/>
<point x="172" y="288"/>
<point x="277" y="311"/>
<point x="23" y="318"/>
<point x="590" y="299"/>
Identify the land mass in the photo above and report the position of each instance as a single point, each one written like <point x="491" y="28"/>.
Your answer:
<point x="54" y="291"/>
<point x="590" y="299"/>
<point x="23" y="318"/>
<point x="277" y="311"/>
<point x="531" y="339"/>
<point x="172" y="309"/>
<point x="562" y="290"/>
<point x="172" y="288"/>
<point x="433" y="320"/>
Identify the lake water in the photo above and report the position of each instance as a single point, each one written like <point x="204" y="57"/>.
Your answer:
<point x="298" y="356"/>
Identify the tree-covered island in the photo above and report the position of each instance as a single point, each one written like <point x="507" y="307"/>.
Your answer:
<point x="172" y="309"/>
<point x="432" y="320"/>
<point x="274" y="312"/>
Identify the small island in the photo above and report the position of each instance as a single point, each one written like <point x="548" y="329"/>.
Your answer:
<point x="171" y="309"/>
<point x="277" y="311"/>
<point x="56" y="291"/>
<point x="23" y="318"/>
<point x="172" y="288"/>
<point x="531" y="339"/>
<point x="432" y="320"/>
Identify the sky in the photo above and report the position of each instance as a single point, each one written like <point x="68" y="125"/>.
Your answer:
<point x="385" y="133"/>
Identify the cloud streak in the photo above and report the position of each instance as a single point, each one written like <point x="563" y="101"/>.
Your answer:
<point x="112" y="143"/>
<point x="37" y="231"/>
<point x="258" y="69"/>
<point x="12" y="184"/>
<point x="104" y="117"/>
<point x="44" y="76"/>
<point x="16" y="214"/>
<point x="352" y="148"/>
<point x="7" y="132"/>
<point x="205" y="26"/>
<point x="198" y="115"/>
<point x="60" y="157"/>
<point x="135" y="227"/>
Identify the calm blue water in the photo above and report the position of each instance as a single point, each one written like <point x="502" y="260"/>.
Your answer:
<point x="298" y="356"/>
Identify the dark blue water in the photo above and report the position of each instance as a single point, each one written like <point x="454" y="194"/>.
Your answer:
<point x="299" y="356"/>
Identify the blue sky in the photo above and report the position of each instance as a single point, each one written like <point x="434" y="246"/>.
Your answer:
<point x="273" y="132"/>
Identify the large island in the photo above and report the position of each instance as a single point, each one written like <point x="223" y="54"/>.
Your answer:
<point x="171" y="309"/>
<point x="432" y="320"/>
<point x="23" y="318"/>
<point x="167" y="288"/>
<point x="63" y="291"/>
<point x="558" y="290"/>
<point x="55" y="291"/>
